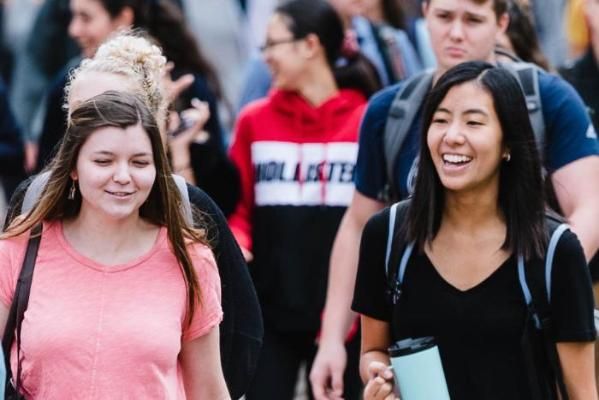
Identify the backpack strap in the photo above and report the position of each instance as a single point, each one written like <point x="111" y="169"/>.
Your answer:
<point x="392" y="216"/>
<point x="402" y="113"/>
<point x="553" y="241"/>
<point x="539" y="303"/>
<point x="527" y="75"/>
<point x="186" y="204"/>
<point x="34" y="191"/>
<point x="395" y="280"/>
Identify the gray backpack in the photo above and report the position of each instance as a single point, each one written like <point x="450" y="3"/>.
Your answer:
<point x="411" y="96"/>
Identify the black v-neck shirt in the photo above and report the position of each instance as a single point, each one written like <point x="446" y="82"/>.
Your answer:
<point x="479" y="330"/>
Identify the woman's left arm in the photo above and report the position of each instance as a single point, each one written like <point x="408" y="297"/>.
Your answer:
<point x="202" y="372"/>
<point x="578" y="366"/>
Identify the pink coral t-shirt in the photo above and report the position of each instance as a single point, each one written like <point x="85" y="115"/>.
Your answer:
<point x="106" y="332"/>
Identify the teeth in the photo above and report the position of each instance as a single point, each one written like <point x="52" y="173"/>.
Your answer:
<point x="120" y="194"/>
<point x="456" y="158"/>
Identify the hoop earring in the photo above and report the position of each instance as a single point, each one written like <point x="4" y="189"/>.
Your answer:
<point x="72" y="191"/>
<point x="507" y="157"/>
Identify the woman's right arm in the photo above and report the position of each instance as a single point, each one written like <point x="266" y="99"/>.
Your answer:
<point x="371" y="302"/>
<point x="374" y="361"/>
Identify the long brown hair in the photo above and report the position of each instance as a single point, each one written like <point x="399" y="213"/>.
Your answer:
<point x="163" y="206"/>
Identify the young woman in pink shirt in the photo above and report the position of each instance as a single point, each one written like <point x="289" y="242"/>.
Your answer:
<point x="125" y="299"/>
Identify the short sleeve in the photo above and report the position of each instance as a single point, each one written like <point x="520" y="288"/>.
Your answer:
<point x="569" y="132"/>
<point x="209" y="312"/>
<point x="371" y="175"/>
<point x="370" y="297"/>
<point x="572" y="301"/>
<point x="12" y="252"/>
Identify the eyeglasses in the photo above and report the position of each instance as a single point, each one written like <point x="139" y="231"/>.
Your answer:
<point x="273" y="43"/>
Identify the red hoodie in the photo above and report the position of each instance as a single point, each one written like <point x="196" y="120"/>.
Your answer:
<point x="296" y="164"/>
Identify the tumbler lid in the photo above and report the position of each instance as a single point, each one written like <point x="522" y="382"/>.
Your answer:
<point x="411" y="346"/>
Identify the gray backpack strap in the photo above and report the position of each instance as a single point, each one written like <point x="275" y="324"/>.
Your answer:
<point x="34" y="191"/>
<point x="528" y="77"/>
<point x="405" y="257"/>
<point x="553" y="241"/>
<point x="555" y="237"/>
<point x="402" y="113"/>
<point x="392" y="216"/>
<point x="186" y="204"/>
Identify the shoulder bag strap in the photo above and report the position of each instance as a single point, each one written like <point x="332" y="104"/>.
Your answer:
<point x="19" y="303"/>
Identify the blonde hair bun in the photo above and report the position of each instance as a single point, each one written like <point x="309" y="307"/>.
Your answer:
<point x="133" y="55"/>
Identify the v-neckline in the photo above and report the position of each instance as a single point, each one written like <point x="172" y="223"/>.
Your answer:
<point x="482" y="283"/>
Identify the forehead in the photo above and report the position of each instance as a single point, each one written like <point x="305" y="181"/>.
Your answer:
<point x="467" y="96"/>
<point x="482" y="6"/>
<point x="277" y="26"/>
<point x="119" y="141"/>
<point x="92" y="7"/>
<point x="351" y="7"/>
<point x="90" y="84"/>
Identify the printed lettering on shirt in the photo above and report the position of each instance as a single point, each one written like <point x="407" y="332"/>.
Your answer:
<point x="304" y="173"/>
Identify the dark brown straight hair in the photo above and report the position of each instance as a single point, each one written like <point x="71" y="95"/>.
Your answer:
<point x="163" y="206"/>
<point x="521" y="191"/>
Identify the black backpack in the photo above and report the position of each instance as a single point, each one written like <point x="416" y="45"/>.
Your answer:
<point x="534" y="282"/>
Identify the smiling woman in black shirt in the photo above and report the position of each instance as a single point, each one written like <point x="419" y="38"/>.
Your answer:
<point x="477" y="206"/>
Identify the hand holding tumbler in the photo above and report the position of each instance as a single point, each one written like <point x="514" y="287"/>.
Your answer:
<point x="418" y="369"/>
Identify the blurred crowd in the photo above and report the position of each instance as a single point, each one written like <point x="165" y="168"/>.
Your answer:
<point x="43" y="39"/>
<point x="268" y="105"/>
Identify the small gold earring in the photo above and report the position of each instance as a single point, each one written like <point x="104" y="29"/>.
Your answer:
<point x="72" y="191"/>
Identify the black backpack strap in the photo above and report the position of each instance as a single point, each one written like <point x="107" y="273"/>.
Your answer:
<point x="396" y="246"/>
<point x="401" y="115"/>
<point x="538" y="300"/>
<point x="19" y="305"/>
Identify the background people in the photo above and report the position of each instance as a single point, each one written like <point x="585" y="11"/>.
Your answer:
<point x="295" y="151"/>
<point x="398" y="61"/>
